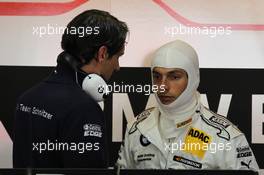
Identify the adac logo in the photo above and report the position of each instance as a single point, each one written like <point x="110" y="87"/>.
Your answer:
<point x="144" y="141"/>
<point x="196" y="142"/>
<point x="200" y="135"/>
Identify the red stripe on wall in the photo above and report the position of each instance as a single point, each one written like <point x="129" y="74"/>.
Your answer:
<point x="38" y="9"/>
<point x="189" y="23"/>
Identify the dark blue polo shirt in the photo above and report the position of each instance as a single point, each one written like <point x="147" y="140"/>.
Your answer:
<point x="57" y="125"/>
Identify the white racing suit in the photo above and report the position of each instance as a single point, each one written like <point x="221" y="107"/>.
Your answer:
<point x="205" y="141"/>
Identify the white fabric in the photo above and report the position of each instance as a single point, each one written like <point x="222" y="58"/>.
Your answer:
<point x="154" y="155"/>
<point x="178" y="54"/>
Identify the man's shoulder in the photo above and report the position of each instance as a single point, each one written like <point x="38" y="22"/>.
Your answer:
<point x="59" y="97"/>
<point x="144" y="114"/>
<point x="132" y="126"/>
<point x="51" y="91"/>
<point x="223" y="127"/>
<point x="31" y="93"/>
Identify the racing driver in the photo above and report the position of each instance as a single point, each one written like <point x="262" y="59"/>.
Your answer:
<point x="180" y="133"/>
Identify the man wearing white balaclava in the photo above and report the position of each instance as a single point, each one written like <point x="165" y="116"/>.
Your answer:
<point x="180" y="133"/>
<point x="179" y="55"/>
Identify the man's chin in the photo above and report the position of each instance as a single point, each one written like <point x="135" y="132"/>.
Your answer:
<point x="166" y="101"/>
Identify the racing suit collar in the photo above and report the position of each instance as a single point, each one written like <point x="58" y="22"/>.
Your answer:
<point x="170" y="126"/>
<point x="177" y="116"/>
<point x="150" y="122"/>
<point x="149" y="128"/>
<point x="63" y="75"/>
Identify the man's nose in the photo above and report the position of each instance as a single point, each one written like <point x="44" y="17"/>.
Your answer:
<point x="117" y="68"/>
<point x="164" y="85"/>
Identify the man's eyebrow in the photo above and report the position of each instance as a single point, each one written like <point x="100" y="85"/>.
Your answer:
<point x="170" y="72"/>
<point x="175" y="72"/>
<point x="155" y="72"/>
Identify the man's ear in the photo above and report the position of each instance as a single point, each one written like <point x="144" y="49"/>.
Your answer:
<point x="102" y="54"/>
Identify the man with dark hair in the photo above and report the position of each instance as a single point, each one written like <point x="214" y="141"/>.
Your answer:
<point x="58" y="123"/>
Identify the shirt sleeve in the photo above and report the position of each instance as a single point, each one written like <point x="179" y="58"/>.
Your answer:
<point x="240" y="156"/>
<point x="84" y="134"/>
<point x="125" y="160"/>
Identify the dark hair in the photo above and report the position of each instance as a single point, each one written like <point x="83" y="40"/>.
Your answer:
<point x="103" y="30"/>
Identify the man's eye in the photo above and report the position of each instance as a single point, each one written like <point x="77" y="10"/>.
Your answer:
<point x="174" y="77"/>
<point x="155" y="76"/>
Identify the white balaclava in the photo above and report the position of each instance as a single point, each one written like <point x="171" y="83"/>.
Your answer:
<point x="178" y="54"/>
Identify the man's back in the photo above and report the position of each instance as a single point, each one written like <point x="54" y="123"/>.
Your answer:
<point x="51" y="123"/>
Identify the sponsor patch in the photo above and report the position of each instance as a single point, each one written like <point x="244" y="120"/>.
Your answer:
<point x="134" y="126"/>
<point x="196" y="142"/>
<point x="244" y="154"/>
<point x="34" y="111"/>
<point x="222" y="130"/>
<point x="220" y="120"/>
<point x="144" y="141"/>
<point x="92" y="130"/>
<point x="145" y="113"/>
<point x="145" y="157"/>
<point x="142" y="116"/>
<point x="187" y="162"/>
<point x="184" y="123"/>
<point x="242" y="149"/>
<point x="246" y="164"/>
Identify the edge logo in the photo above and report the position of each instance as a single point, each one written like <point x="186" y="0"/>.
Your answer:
<point x="244" y="154"/>
<point x="144" y="141"/>
<point x="92" y="130"/>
